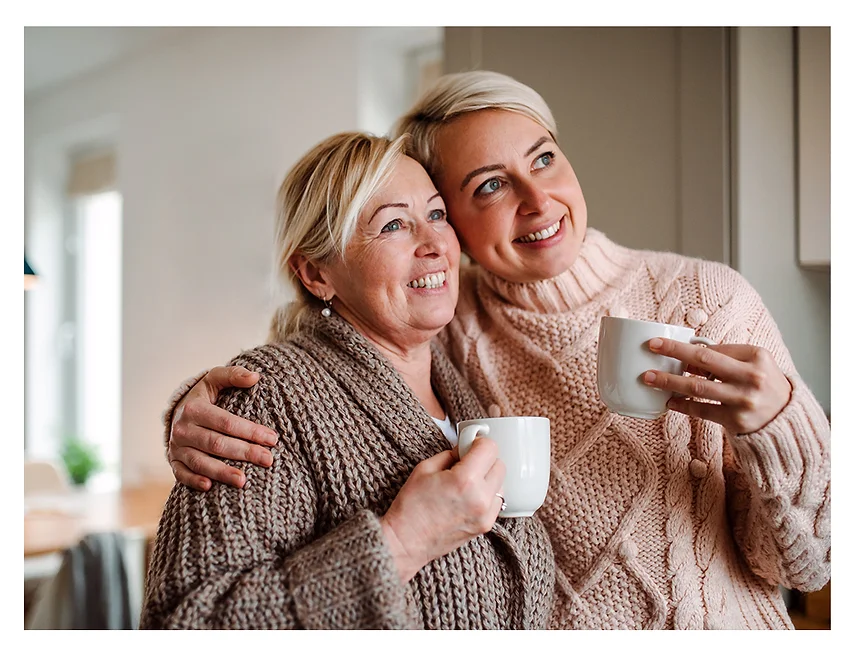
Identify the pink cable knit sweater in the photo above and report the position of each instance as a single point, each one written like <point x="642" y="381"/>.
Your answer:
<point x="671" y="523"/>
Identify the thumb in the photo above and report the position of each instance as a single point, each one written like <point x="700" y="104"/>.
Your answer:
<point x="229" y="376"/>
<point x="441" y="461"/>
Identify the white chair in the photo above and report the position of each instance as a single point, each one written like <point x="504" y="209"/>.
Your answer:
<point x="43" y="478"/>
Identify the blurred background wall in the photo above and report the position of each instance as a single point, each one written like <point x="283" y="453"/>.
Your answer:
<point x="684" y="139"/>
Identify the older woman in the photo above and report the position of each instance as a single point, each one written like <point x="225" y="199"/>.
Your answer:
<point x="689" y="521"/>
<point x="365" y="519"/>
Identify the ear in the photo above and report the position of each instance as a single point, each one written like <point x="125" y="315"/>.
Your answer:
<point x="314" y="277"/>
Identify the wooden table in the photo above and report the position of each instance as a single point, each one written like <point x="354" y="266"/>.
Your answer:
<point x="49" y="529"/>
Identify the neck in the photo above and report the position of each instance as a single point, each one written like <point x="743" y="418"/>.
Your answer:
<point x="411" y="359"/>
<point x="599" y="266"/>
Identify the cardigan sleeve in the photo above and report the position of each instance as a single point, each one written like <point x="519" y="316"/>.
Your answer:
<point x="778" y="478"/>
<point x="252" y="558"/>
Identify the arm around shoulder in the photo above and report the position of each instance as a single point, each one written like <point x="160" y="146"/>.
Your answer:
<point x="250" y="558"/>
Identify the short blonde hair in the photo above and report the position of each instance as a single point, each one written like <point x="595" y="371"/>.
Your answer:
<point x="457" y="93"/>
<point x="318" y="206"/>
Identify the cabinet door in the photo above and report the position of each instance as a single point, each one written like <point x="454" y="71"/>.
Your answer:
<point x="813" y="121"/>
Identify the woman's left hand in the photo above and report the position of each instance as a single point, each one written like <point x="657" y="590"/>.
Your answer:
<point x="748" y="383"/>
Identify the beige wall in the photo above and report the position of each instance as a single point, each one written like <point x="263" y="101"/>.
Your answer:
<point x="204" y="127"/>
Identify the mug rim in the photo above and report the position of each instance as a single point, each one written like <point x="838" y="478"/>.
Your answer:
<point x="483" y="420"/>
<point x="648" y="323"/>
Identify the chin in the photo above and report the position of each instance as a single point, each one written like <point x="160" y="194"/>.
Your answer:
<point x="438" y="320"/>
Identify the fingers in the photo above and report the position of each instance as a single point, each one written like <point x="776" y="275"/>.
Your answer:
<point x="714" y="359"/>
<point x="439" y="462"/>
<point x="186" y="477"/>
<point x="201" y="465"/>
<point x="714" y="412"/>
<point x="478" y="460"/>
<point x="227" y="377"/>
<point x="693" y="387"/>
<point x="208" y="416"/>
<point x="495" y="477"/>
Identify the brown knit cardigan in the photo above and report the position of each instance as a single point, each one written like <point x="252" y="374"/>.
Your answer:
<point x="301" y="546"/>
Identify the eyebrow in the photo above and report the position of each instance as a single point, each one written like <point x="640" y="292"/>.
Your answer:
<point x="495" y="167"/>
<point x="399" y="204"/>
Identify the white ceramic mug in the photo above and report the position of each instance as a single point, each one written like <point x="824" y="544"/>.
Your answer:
<point x="624" y="356"/>
<point x="524" y="445"/>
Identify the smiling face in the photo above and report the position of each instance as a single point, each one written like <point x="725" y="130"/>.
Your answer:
<point x="512" y="195"/>
<point x="398" y="280"/>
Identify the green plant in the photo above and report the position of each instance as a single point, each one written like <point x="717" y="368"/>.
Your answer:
<point x="81" y="459"/>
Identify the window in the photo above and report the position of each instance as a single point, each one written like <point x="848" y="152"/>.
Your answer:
<point x="73" y="317"/>
<point x="97" y="358"/>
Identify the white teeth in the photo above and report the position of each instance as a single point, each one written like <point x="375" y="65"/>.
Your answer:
<point x="541" y="235"/>
<point x="430" y="281"/>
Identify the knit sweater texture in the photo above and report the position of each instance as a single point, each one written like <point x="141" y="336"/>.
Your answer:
<point x="667" y="523"/>
<point x="300" y="545"/>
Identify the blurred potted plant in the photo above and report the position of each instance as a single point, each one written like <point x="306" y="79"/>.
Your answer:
<point x="81" y="459"/>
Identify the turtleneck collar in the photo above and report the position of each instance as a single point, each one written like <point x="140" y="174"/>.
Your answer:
<point x="600" y="265"/>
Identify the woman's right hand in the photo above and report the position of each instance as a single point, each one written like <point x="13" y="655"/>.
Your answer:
<point x="443" y="504"/>
<point x="200" y="429"/>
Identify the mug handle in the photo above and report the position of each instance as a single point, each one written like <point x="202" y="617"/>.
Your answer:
<point x="699" y="340"/>
<point x="469" y="434"/>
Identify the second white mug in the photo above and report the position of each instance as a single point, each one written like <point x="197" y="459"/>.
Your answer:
<point x="524" y="445"/>
<point x="624" y="356"/>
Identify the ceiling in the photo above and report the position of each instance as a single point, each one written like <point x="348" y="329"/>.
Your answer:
<point x="53" y="55"/>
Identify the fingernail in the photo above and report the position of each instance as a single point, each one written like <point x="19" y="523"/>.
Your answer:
<point x="237" y="481"/>
<point x="272" y="437"/>
<point x="267" y="459"/>
<point x="655" y="343"/>
<point x="649" y="377"/>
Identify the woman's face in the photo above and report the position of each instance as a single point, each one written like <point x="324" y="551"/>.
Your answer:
<point x="512" y="195"/>
<point x="398" y="280"/>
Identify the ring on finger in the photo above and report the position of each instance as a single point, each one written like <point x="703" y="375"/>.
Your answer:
<point x="503" y="504"/>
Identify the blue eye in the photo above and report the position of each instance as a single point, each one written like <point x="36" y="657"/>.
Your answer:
<point x="544" y="160"/>
<point x="393" y="225"/>
<point x="490" y="186"/>
<point x="437" y="215"/>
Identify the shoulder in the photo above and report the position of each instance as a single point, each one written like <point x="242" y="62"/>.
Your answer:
<point x="285" y="369"/>
<point x="709" y="284"/>
<point x="271" y="357"/>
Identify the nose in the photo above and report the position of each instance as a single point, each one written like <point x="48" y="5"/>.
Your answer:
<point x="431" y="241"/>
<point x="533" y="199"/>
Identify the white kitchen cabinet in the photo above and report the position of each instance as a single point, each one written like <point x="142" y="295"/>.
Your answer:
<point x="813" y="130"/>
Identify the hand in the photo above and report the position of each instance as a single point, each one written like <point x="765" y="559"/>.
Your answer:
<point x="444" y="504"/>
<point x="201" y="429"/>
<point x="750" y="386"/>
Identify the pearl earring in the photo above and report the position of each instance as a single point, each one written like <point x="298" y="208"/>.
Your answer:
<point x="327" y="310"/>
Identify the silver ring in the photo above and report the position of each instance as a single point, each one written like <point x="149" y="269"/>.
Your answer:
<point x="503" y="504"/>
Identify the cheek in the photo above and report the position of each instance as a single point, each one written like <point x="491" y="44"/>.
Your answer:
<point x="482" y="229"/>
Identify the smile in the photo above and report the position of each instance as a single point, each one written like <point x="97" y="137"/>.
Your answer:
<point x="436" y="280"/>
<point x="541" y="235"/>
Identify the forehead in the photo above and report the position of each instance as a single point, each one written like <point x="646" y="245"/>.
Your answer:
<point x="485" y="137"/>
<point x="408" y="179"/>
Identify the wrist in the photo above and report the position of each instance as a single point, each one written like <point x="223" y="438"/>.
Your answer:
<point x="407" y="566"/>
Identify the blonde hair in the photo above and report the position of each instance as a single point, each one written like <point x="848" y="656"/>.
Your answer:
<point x="318" y="206"/>
<point x="457" y="93"/>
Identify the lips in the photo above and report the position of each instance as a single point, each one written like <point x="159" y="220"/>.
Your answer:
<point x="543" y="234"/>
<point x="434" y="280"/>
